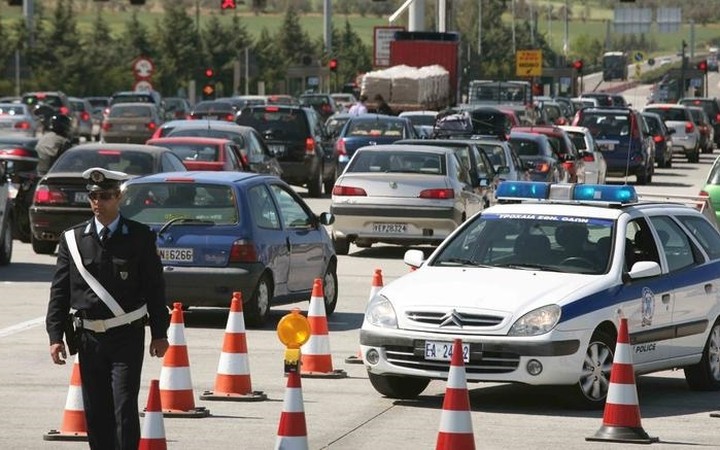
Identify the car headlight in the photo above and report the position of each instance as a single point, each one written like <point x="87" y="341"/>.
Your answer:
<point x="381" y="313"/>
<point x="536" y="322"/>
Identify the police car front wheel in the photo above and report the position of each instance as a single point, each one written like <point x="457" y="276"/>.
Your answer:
<point x="705" y="375"/>
<point x="592" y="388"/>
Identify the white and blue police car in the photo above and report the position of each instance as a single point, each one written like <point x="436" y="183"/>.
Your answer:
<point x="535" y="287"/>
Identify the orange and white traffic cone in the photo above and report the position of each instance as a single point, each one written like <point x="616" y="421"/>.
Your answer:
<point x="152" y="435"/>
<point x="292" y="431"/>
<point x="375" y="287"/>
<point x="456" y="431"/>
<point x="176" y="392"/>
<point x="315" y="359"/>
<point x="74" y="426"/>
<point x="233" y="375"/>
<point x="621" y="420"/>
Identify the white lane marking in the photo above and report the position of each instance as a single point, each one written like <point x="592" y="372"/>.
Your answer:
<point x="22" y="326"/>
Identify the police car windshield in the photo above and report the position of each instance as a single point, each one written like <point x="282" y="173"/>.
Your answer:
<point x="554" y="243"/>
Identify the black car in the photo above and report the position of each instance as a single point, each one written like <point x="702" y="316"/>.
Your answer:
<point x="712" y="109"/>
<point x="297" y="138"/>
<point x="662" y="135"/>
<point x="323" y="104"/>
<point x="541" y="160"/>
<point x="214" y="110"/>
<point x="473" y="121"/>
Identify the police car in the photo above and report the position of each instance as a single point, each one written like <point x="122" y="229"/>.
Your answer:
<point x="535" y="287"/>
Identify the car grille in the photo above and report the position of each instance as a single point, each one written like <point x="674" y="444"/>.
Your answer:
<point x="453" y="320"/>
<point x="481" y="362"/>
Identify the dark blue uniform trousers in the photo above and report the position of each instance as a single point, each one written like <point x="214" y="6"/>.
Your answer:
<point x="110" y="367"/>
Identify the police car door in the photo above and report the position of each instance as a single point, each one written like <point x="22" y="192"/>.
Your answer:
<point x="694" y="282"/>
<point x="647" y="302"/>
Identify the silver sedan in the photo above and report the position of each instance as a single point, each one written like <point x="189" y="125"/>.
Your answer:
<point x="17" y="119"/>
<point x="401" y="194"/>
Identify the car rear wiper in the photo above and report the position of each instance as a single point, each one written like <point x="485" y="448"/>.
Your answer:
<point x="184" y="220"/>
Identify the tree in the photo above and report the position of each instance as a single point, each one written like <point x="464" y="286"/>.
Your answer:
<point x="177" y="56"/>
<point x="223" y="44"/>
<point x="292" y="40"/>
<point x="271" y="63"/>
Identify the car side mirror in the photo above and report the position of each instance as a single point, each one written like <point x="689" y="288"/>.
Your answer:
<point x="529" y="165"/>
<point x="502" y="170"/>
<point x="326" y="218"/>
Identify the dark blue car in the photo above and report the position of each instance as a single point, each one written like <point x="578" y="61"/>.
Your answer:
<point x="370" y="129"/>
<point x="222" y="232"/>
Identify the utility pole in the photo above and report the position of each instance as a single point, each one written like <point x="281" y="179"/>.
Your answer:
<point x="683" y="66"/>
<point x="327" y="26"/>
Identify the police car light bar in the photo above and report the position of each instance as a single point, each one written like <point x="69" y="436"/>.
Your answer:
<point x="537" y="190"/>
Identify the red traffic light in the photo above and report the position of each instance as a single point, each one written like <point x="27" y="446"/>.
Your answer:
<point x="228" y="4"/>
<point x="209" y="72"/>
<point x="578" y="65"/>
<point x="333" y="64"/>
<point x="702" y="66"/>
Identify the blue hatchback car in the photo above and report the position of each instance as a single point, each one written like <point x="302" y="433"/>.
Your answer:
<point x="222" y="232"/>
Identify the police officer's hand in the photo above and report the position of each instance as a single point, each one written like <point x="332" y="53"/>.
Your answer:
<point x="158" y="347"/>
<point x="57" y="353"/>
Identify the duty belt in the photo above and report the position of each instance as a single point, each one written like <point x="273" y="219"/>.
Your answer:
<point x="101" y="326"/>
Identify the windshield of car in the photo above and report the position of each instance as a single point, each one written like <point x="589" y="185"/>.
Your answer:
<point x="207" y="132"/>
<point x="653" y="124"/>
<point x="132" y="98"/>
<point x="697" y="115"/>
<point x="158" y="203"/>
<point x="50" y="100"/>
<point x="281" y="123"/>
<point x="193" y="152"/>
<point x="669" y="114"/>
<point x="526" y="147"/>
<point x="363" y="128"/>
<point x="125" y="111"/>
<point x="532" y="242"/>
<point x="403" y="161"/>
<point x="603" y="124"/>
<point x="578" y="139"/>
<point x="12" y="110"/>
<point x="496" y="153"/>
<point x="128" y="161"/>
<point x="421" y="119"/>
<point x="335" y="124"/>
<point x="213" y="107"/>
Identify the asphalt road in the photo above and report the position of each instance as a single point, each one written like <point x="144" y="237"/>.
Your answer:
<point x="340" y="413"/>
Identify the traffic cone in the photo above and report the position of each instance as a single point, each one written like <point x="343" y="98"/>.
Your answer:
<point x="74" y="427"/>
<point x="292" y="431"/>
<point x="456" y="431"/>
<point x="233" y="375"/>
<point x="375" y="286"/>
<point x="176" y="392"/>
<point x="621" y="420"/>
<point x="152" y="435"/>
<point x="315" y="359"/>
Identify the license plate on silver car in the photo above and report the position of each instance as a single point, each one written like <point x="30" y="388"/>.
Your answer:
<point x="389" y="227"/>
<point x="442" y="351"/>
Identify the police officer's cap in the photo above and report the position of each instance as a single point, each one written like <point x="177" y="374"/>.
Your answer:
<point x="100" y="179"/>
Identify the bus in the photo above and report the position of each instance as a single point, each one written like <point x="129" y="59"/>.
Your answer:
<point x="615" y="66"/>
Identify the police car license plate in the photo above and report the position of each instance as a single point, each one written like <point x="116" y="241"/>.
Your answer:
<point x="389" y="227"/>
<point x="442" y="351"/>
<point x="176" y="254"/>
<point x="81" y="197"/>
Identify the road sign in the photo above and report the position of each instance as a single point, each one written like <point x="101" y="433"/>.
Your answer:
<point x="639" y="57"/>
<point x="651" y="62"/>
<point x="528" y="63"/>
<point x="382" y="37"/>
<point x="142" y="86"/>
<point x="143" y="68"/>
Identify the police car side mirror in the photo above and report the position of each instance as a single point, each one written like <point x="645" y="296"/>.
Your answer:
<point x="414" y="258"/>
<point x="644" y="269"/>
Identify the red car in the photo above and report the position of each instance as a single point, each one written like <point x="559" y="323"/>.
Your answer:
<point x="200" y="153"/>
<point x="565" y="149"/>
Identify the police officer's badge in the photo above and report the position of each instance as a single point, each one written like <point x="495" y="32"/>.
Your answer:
<point x="123" y="276"/>
<point x="648" y="307"/>
<point x="97" y="177"/>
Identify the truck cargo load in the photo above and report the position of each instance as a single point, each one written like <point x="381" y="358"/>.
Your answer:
<point x="407" y="88"/>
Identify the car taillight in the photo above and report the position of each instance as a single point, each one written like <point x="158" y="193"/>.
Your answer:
<point x="717" y="117"/>
<point x="191" y="116"/>
<point x="560" y="121"/>
<point x="229" y="118"/>
<point x="569" y="165"/>
<point x="46" y="196"/>
<point x="437" y="193"/>
<point x="635" y="129"/>
<point x="349" y="191"/>
<point x="658" y="138"/>
<point x="704" y="194"/>
<point x="588" y="157"/>
<point x="340" y="149"/>
<point x="243" y="250"/>
<point x="22" y="125"/>
<point x="84" y="116"/>
<point x="106" y="126"/>
<point x="152" y="126"/>
<point x="64" y="110"/>
<point x="541" y="167"/>
<point x="309" y="146"/>
<point x="689" y="127"/>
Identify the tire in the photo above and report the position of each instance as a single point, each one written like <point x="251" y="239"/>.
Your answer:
<point x="330" y="288"/>
<point x="642" y="176"/>
<point x="668" y="163"/>
<point x="392" y="386"/>
<point x="705" y="375"/>
<point x="329" y="184"/>
<point x="342" y="245"/>
<point x="257" y="310"/>
<point x="43" y="247"/>
<point x="315" y="185"/>
<point x="591" y="390"/>
<point x="6" y="242"/>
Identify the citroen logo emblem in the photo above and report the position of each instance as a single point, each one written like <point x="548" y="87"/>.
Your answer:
<point x="451" y="318"/>
<point x="393" y="185"/>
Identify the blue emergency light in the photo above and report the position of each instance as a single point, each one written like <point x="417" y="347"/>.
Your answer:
<point x="538" y="190"/>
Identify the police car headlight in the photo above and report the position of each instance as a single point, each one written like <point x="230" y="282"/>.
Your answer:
<point x="381" y="313"/>
<point x="536" y="322"/>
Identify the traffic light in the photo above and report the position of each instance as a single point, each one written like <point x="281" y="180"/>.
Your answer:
<point x="208" y="90"/>
<point x="702" y="66"/>
<point x="578" y="66"/>
<point x="228" y="4"/>
<point x="333" y="65"/>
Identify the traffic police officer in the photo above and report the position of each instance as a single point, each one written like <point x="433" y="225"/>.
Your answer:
<point x="108" y="271"/>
